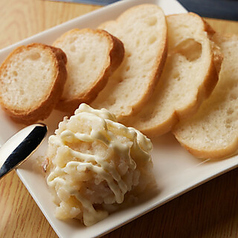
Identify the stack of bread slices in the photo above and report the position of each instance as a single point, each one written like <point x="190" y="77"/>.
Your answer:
<point x="156" y="73"/>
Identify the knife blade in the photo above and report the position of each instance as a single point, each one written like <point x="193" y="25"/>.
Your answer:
<point x="20" y="146"/>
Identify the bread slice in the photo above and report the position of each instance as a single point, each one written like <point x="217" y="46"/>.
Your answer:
<point x="92" y="56"/>
<point x="32" y="78"/>
<point x="189" y="76"/>
<point x="213" y="131"/>
<point x="143" y="31"/>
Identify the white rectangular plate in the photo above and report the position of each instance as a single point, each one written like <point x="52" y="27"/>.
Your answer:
<point x="176" y="170"/>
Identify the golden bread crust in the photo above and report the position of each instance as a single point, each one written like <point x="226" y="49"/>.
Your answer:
<point x="37" y="110"/>
<point x="114" y="56"/>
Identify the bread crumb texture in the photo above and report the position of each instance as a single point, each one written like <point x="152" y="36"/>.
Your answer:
<point x="212" y="132"/>
<point x="21" y="84"/>
<point x="187" y="80"/>
<point x="31" y="78"/>
<point x="143" y="31"/>
<point x="92" y="56"/>
<point x="83" y="62"/>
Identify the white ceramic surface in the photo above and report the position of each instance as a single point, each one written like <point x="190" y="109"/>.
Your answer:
<point x="176" y="171"/>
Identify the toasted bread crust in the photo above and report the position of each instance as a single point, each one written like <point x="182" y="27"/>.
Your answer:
<point x="115" y="54"/>
<point x="42" y="109"/>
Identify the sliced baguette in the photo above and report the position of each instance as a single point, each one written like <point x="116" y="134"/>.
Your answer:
<point x="32" y="78"/>
<point x="143" y="30"/>
<point x="92" y="56"/>
<point x="189" y="76"/>
<point x="213" y="131"/>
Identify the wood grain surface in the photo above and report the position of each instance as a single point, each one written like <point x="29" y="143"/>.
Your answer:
<point x="210" y="210"/>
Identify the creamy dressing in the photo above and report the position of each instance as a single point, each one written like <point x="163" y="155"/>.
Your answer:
<point x="118" y="141"/>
